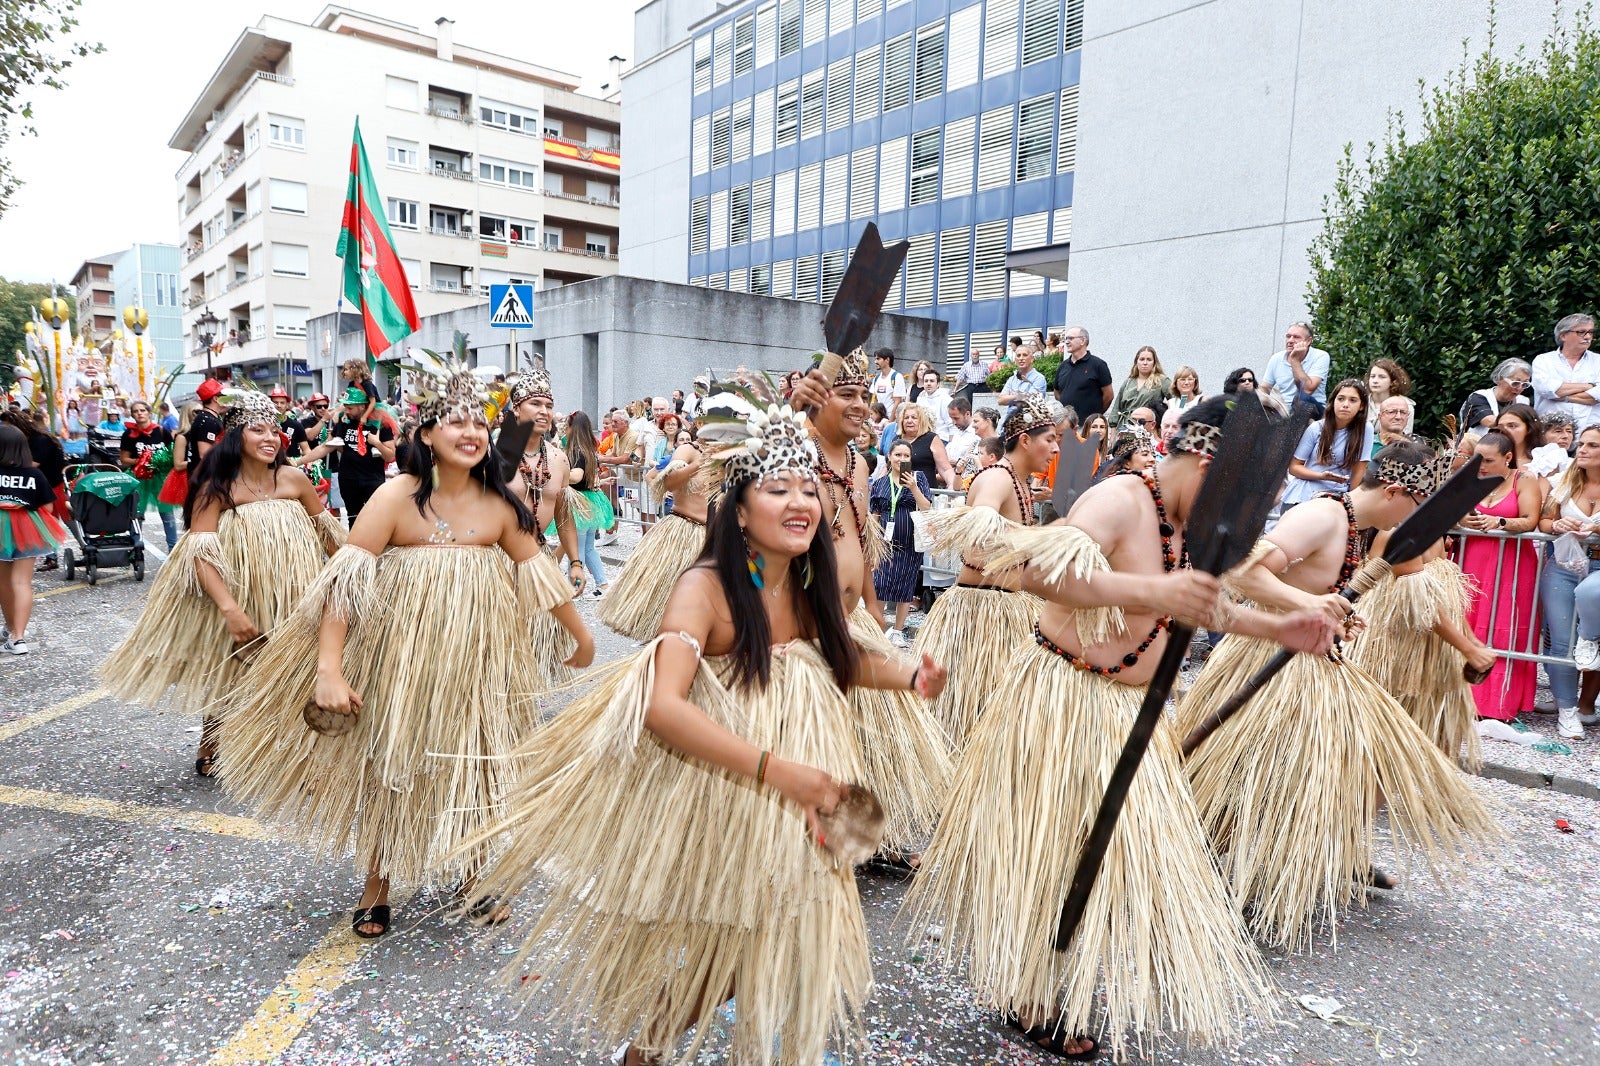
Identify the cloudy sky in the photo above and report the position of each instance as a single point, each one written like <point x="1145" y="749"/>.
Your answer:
<point x="100" y="175"/>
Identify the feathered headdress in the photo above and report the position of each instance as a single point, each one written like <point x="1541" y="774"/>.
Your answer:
<point x="444" y="389"/>
<point x="854" y="369"/>
<point x="533" y="383"/>
<point x="774" y="440"/>
<point x="246" y="407"/>
<point x="1029" y="413"/>
<point x="1419" y="479"/>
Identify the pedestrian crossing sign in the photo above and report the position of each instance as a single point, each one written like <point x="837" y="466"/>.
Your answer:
<point x="513" y="306"/>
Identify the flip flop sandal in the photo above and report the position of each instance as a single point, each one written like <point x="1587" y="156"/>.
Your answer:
<point x="1048" y="1039"/>
<point x="1381" y="879"/>
<point x="376" y="915"/>
<point x="481" y="912"/>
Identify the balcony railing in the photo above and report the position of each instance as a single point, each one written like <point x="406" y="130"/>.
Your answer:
<point x="458" y="112"/>
<point x="615" y="201"/>
<point x="581" y="151"/>
<point x="446" y="231"/>
<point x="445" y="285"/>
<point x="581" y="251"/>
<point x="458" y="173"/>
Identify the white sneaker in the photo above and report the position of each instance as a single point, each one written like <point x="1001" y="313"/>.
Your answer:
<point x="20" y="647"/>
<point x="1586" y="655"/>
<point x="1567" y="723"/>
<point x="896" y="636"/>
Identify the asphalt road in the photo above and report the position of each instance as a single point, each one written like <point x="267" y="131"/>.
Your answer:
<point x="146" y="919"/>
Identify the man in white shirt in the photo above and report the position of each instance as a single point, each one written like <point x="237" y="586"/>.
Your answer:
<point x="971" y="377"/>
<point x="1567" y="380"/>
<point x="888" y="387"/>
<point x="696" y="397"/>
<point x="935" y="399"/>
<point x="1299" y="372"/>
<point x="1026" y="381"/>
<point x="963" y="437"/>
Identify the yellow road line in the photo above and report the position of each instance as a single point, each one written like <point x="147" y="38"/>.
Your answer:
<point x="67" y="706"/>
<point x="136" y="813"/>
<point x="285" y="1013"/>
<point x="74" y="587"/>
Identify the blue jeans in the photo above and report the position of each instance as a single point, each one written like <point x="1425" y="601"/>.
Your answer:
<point x="589" y="555"/>
<point x="1564" y="594"/>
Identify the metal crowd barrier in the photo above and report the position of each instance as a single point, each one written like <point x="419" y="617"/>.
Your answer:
<point x="1532" y="647"/>
<point x="635" y="501"/>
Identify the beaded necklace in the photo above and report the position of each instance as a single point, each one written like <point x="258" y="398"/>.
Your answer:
<point x="831" y="478"/>
<point x="537" y="477"/>
<point x="1023" y="506"/>
<point x="1352" y="544"/>
<point x="1170" y="561"/>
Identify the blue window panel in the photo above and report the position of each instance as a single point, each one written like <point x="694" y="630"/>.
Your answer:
<point x="1058" y="307"/>
<point x="1029" y="309"/>
<point x="807" y="243"/>
<point x="789" y="66"/>
<point x="993" y="204"/>
<point x="866" y="132"/>
<point x="957" y="315"/>
<point x="699" y="264"/>
<point x="899" y="20"/>
<point x="814" y="57"/>
<point x="760" y="252"/>
<point x="1030" y="196"/>
<point x="983" y="315"/>
<point x="1064" y="188"/>
<point x="920" y="312"/>
<point x="813" y="150"/>
<point x="960" y="103"/>
<point x="699" y="185"/>
<point x="891" y="225"/>
<point x="739" y="173"/>
<point x="896" y="123"/>
<point x="1001" y="89"/>
<point x="926" y="113"/>
<point x="928" y="10"/>
<point x="1042" y="77"/>
<point x="739" y="256"/>
<point x="836" y="142"/>
<point x="956" y="212"/>
<point x="721" y="96"/>
<point x="924" y="218"/>
<point x="765" y="78"/>
<point x="785" y="158"/>
<point x="841" y="44"/>
<point x="701" y="105"/>
<point x="745" y="85"/>
<point x="869" y="32"/>
<point x="1071" y="64"/>
<point x="782" y="248"/>
<point x="839" y="235"/>
<point x="717" y="261"/>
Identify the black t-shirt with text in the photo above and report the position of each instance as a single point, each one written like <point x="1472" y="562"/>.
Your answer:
<point x="136" y="442"/>
<point x="353" y="466"/>
<point x="24" y="488"/>
<point x="205" y="428"/>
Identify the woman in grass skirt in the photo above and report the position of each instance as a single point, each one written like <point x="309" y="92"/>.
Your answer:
<point x="28" y="531"/>
<point x="257" y="535"/>
<point x="419" y="628"/>
<point x="710" y="759"/>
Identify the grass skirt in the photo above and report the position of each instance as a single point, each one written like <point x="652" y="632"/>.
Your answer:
<point x="904" y="750"/>
<point x="438" y="650"/>
<point x="178" y="653"/>
<point x="1159" y="940"/>
<point x="671" y="882"/>
<point x="637" y="599"/>
<point x="1400" y="651"/>
<point x="552" y="644"/>
<point x="972" y="632"/>
<point x="1289" y="790"/>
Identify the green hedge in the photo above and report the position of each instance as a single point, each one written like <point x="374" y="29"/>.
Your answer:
<point x="1044" y="364"/>
<point x="1454" y="251"/>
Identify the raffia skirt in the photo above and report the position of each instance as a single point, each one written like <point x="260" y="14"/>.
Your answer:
<point x="905" y="752"/>
<point x="1289" y="789"/>
<point x="438" y="649"/>
<point x="672" y="884"/>
<point x="638" y="597"/>
<point x="1400" y="651"/>
<point x="972" y="632"/>
<point x="179" y="654"/>
<point x="1158" y="941"/>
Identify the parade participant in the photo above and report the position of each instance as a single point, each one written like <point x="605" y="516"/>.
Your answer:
<point x="636" y="599"/>
<point x="711" y="758"/>
<point x="974" y="625"/>
<point x="256" y="537"/>
<point x="27" y="531"/>
<point x="418" y="627"/>
<point x="140" y="443"/>
<point x="907" y="753"/>
<point x="298" y="444"/>
<point x="1173" y="957"/>
<point x="1296" y="829"/>
<point x="1416" y="643"/>
<point x="368" y="448"/>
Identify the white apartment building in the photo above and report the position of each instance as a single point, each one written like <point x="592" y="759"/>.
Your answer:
<point x="493" y="170"/>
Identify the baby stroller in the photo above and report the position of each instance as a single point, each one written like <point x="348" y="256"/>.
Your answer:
<point x="105" y="521"/>
<point x="103" y="448"/>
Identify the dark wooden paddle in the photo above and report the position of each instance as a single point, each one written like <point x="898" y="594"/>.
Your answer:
<point x="1437" y="515"/>
<point x="1074" y="470"/>
<point x="855" y="306"/>
<point x="1228" y="515"/>
<point x="511" y="443"/>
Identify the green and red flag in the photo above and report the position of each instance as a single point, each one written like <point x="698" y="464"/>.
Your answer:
<point x="374" y="280"/>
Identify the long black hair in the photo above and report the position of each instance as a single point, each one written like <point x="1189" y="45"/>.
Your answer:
<point x="582" y="452"/>
<point x="419" y="464"/>
<point x="728" y="553"/>
<point x="212" y="480"/>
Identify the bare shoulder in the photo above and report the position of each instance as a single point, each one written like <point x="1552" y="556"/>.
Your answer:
<point x="697" y="601"/>
<point x="395" y="492"/>
<point x="990" y="487"/>
<point x="293" y="478"/>
<point x="1111" y="506"/>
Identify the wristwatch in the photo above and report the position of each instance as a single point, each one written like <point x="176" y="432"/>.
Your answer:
<point x="1502" y="523"/>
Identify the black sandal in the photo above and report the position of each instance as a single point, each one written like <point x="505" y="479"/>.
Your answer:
<point x="481" y="912"/>
<point x="377" y="914"/>
<point x="892" y="862"/>
<point x="1380" y="879"/>
<point x="1046" y="1037"/>
<point x="206" y="765"/>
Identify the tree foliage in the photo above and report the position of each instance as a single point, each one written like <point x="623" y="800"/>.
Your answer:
<point x="35" y="50"/>
<point x="1044" y="364"/>
<point x="1462" y="248"/>
<point x="17" y="298"/>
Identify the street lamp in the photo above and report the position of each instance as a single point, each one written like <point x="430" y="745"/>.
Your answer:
<point x="205" y="327"/>
<point x="55" y="312"/>
<point x="137" y="319"/>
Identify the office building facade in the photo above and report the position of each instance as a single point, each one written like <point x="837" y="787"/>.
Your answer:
<point x="949" y="122"/>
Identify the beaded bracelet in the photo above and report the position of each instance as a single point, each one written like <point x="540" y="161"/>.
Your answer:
<point x="761" y="768"/>
<point x="915" y="675"/>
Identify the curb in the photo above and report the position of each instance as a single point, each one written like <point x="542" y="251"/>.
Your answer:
<point x="1570" y="786"/>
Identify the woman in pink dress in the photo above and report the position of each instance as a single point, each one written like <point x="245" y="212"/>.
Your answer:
<point x="1504" y="584"/>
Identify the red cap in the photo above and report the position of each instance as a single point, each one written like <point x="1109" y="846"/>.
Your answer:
<point x="277" y="390"/>
<point x="208" y="390"/>
<point x="317" y="397"/>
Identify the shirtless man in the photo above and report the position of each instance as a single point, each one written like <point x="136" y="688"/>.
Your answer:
<point x="541" y="479"/>
<point x="840" y="408"/>
<point x="1333" y="732"/>
<point x="1033" y="775"/>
